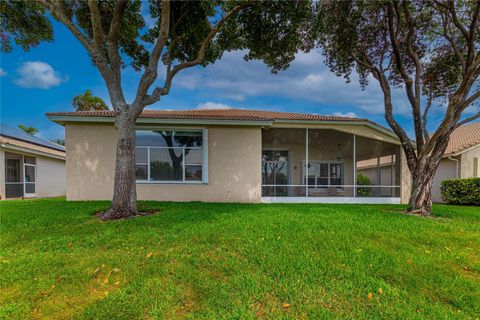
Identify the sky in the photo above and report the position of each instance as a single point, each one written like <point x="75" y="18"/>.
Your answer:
<point x="46" y="78"/>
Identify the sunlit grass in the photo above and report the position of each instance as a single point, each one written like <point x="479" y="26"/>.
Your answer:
<point x="238" y="261"/>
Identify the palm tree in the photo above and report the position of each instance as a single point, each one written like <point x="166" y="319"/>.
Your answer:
<point x="29" y="130"/>
<point x="88" y="102"/>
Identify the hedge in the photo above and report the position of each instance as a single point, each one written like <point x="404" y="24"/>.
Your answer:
<point x="461" y="191"/>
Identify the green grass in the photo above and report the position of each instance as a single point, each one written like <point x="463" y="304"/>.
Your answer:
<point x="238" y="261"/>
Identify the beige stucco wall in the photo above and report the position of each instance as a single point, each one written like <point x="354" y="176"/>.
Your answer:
<point x="233" y="166"/>
<point x="467" y="162"/>
<point x="446" y="170"/>
<point x="50" y="174"/>
<point x="50" y="177"/>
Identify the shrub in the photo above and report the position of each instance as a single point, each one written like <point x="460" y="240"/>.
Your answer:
<point x="461" y="191"/>
<point x="363" y="180"/>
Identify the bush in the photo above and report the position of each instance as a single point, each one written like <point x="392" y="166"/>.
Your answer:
<point x="363" y="180"/>
<point x="461" y="191"/>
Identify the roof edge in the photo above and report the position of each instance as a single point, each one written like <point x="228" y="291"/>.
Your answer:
<point x="36" y="152"/>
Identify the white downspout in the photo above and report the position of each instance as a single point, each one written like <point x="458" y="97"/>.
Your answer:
<point x="456" y="166"/>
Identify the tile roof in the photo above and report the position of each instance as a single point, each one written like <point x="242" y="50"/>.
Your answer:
<point x="213" y="114"/>
<point x="464" y="137"/>
<point x="17" y="133"/>
<point x="30" y="146"/>
<point x="18" y="138"/>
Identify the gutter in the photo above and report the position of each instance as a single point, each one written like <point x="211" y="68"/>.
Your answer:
<point x="456" y="165"/>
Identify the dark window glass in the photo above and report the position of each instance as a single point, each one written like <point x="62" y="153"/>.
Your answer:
<point x="322" y="181"/>
<point x="324" y="169"/>
<point x="12" y="170"/>
<point x="275" y="155"/>
<point x="29" y="187"/>
<point x="141" y="172"/>
<point x="169" y="138"/>
<point x="193" y="173"/>
<point x="29" y="173"/>
<point x="29" y="160"/>
<point x="141" y="155"/>
<point x="166" y="164"/>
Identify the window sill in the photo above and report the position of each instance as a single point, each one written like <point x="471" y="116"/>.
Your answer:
<point x="170" y="182"/>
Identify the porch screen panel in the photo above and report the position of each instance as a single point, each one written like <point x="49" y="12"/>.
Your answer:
<point x="13" y="178"/>
<point x="330" y="164"/>
<point x="378" y="168"/>
<point x="283" y="150"/>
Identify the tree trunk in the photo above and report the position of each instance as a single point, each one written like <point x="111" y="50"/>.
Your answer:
<point x="420" y="202"/>
<point x="124" y="202"/>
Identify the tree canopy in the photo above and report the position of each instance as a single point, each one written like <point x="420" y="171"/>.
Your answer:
<point x="184" y="34"/>
<point x="429" y="49"/>
<point x="28" y="129"/>
<point x="88" y="102"/>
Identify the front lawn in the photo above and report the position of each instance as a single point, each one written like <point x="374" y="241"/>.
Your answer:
<point x="233" y="261"/>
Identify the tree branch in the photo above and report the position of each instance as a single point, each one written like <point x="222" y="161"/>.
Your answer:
<point x="96" y="25"/>
<point x="57" y="10"/>
<point x="412" y="98"/>
<point x="460" y="53"/>
<point x="161" y="91"/>
<point x="150" y="73"/>
<point x="112" y="47"/>
<point x="401" y="134"/>
<point x="426" y="136"/>
<point x="466" y="120"/>
<point x="470" y="100"/>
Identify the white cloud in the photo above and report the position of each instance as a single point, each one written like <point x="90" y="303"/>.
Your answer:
<point x="213" y="106"/>
<point x="346" y="114"/>
<point x="38" y="74"/>
<point x="307" y="78"/>
<point x="2" y="72"/>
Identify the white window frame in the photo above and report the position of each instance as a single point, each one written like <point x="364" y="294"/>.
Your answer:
<point x="204" y="149"/>
<point x="25" y="194"/>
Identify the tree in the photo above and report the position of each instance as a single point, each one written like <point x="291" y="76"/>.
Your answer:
<point x="29" y="130"/>
<point x="88" y="102"/>
<point x="430" y="49"/>
<point x="186" y="34"/>
<point x="59" y="141"/>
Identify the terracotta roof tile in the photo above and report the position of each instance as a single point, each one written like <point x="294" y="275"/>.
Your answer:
<point x="464" y="137"/>
<point x="218" y="114"/>
<point x="31" y="146"/>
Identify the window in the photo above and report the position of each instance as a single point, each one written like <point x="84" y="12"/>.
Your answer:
<point x="169" y="156"/>
<point x="322" y="174"/>
<point x="476" y="168"/>
<point x="275" y="172"/>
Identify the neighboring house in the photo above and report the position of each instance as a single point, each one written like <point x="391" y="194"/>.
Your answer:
<point x="30" y="166"/>
<point x="237" y="156"/>
<point x="461" y="158"/>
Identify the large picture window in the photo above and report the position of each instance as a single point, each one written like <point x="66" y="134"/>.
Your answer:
<point x="170" y="156"/>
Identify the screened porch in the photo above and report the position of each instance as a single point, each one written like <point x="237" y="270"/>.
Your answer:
<point x="324" y="165"/>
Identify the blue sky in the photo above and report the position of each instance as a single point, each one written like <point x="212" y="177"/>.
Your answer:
<point x="47" y="77"/>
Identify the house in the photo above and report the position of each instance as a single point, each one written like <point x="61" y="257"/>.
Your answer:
<point x="30" y="166"/>
<point x="461" y="158"/>
<point x="237" y="156"/>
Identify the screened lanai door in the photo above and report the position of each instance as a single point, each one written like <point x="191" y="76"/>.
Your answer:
<point x="275" y="172"/>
